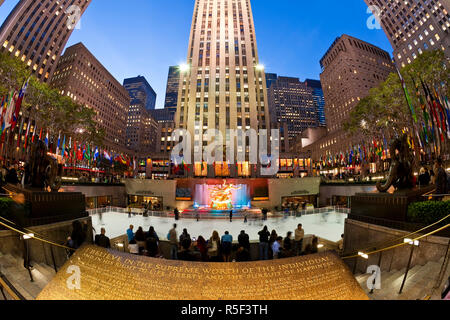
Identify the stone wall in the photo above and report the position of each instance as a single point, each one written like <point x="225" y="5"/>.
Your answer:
<point x="40" y="252"/>
<point x="118" y="193"/>
<point x="328" y="191"/>
<point x="360" y="236"/>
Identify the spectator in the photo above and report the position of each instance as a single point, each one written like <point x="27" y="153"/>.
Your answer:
<point x="264" y="244"/>
<point x="140" y="235"/>
<point x="299" y="235"/>
<point x="11" y="176"/>
<point x="272" y="239"/>
<point x="227" y="241"/>
<point x="203" y="248"/>
<point x="340" y="245"/>
<point x="186" y="253"/>
<point x="313" y="247"/>
<point x="244" y="240"/>
<point x="276" y="247"/>
<point x="185" y="239"/>
<point x="231" y="215"/>
<point x="287" y="244"/>
<point x="102" y="240"/>
<point x="441" y="179"/>
<point x="130" y="233"/>
<point x="152" y="243"/>
<point x="152" y="233"/>
<point x="78" y="236"/>
<point x="173" y="240"/>
<point x="133" y="247"/>
<point x="140" y="239"/>
<point x="242" y="255"/>
<point x="214" y="246"/>
<point x="176" y="214"/>
<point x="424" y="177"/>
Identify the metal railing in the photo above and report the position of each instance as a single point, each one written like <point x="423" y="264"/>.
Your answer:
<point x="170" y="214"/>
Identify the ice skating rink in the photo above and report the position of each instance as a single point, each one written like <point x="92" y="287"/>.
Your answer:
<point x="328" y="225"/>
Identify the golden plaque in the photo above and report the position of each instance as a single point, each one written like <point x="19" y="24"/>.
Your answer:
<point x="94" y="273"/>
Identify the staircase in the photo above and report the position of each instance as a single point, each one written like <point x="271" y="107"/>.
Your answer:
<point x="13" y="270"/>
<point x="418" y="286"/>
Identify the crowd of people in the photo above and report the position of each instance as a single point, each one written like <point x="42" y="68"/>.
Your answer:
<point x="216" y="248"/>
<point x="435" y="176"/>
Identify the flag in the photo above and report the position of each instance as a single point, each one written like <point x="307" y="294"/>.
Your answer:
<point x="63" y="147"/>
<point x="26" y="134"/>
<point x="19" y="136"/>
<point x="96" y="153"/>
<point x="106" y="155"/>
<point x="59" y="142"/>
<point x="46" y="139"/>
<point x="18" y="104"/>
<point x="408" y="99"/>
<point x="8" y="113"/>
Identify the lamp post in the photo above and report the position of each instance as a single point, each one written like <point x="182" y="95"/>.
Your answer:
<point x="413" y="243"/>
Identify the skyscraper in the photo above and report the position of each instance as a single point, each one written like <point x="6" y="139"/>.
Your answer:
<point x="36" y="32"/>
<point x="80" y="76"/>
<point x="270" y="78"/>
<point x="319" y="100"/>
<point x="222" y="86"/>
<point x="292" y="102"/>
<point x="141" y="92"/>
<point x="173" y="84"/>
<point x="350" y="68"/>
<point x="414" y="26"/>
<point x="141" y="132"/>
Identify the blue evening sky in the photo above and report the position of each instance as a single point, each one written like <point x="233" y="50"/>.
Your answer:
<point x="145" y="37"/>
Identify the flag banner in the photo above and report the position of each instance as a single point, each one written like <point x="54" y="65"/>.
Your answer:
<point x="408" y="99"/>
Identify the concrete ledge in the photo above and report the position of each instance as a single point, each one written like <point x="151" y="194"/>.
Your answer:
<point x="360" y="236"/>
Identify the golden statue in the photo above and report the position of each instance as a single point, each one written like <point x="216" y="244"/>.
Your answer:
<point x="222" y="196"/>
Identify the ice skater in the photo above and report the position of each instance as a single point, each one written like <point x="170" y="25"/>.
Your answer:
<point x="231" y="215"/>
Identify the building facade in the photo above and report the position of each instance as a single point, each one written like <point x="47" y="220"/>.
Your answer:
<point x="292" y="102"/>
<point x="173" y="85"/>
<point x="319" y="100"/>
<point x="351" y="67"/>
<point x="36" y="32"/>
<point x="141" y="92"/>
<point x="414" y="26"/>
<point x="223" y="86"/>
<point x="80" y="76"/>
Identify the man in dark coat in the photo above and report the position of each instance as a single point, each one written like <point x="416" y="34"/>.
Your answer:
<point x="102" y="240"/>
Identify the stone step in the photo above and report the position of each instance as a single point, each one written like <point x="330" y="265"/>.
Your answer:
<point x="14" y="271"/>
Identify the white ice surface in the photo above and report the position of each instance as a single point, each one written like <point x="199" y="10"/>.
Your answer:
<point x="329" y="226"/>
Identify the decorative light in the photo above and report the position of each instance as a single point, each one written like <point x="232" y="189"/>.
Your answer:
<point x="120" y="245"/>
<point x="28" y="236"/>
<point x="363" y="255"/>
<point x="412" y="242"/>
<point x="319" y="246"/>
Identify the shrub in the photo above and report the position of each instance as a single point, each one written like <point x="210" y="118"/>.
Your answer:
<point x="428" y="212"/>
<point x="5" y="203"/>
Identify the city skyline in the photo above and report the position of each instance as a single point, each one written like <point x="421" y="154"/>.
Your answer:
<point x="296" y="54"/>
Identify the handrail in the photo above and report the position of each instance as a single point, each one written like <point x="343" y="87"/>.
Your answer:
<point x="36" y="238"/>
<point x="10" y="289"/>
<point x="398" y="245"/>
<point x="407" y="235"/>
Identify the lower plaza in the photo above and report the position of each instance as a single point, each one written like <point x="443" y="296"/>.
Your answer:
<point x="328" y="180"/>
